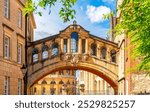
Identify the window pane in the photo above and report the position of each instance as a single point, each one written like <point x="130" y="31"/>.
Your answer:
<point x="44" y="52"/>
<point x="34" y="55"/>
<point x="74" y="42"/>
<point x="19" y="18"/>
<point x="6" y="8"/>
<point x="6" y="47"/>
<point x="65" y="45"/>
<point x="54" y="49"/>
<point x="103" y="53"/>
<point x="113" y="56"/>
<point x="19" y="53"/>
<point x="93" y="49"/>
<point x="7" y="85"/>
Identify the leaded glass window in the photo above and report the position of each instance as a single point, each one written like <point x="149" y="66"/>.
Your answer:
<point x="45" y="52"/>
<point x="65" y="45"/>
<point x="34" y="55"/>
<point x="93" y="49"/>
<point x="55" y="50"/>
<point x="74" y="42"/>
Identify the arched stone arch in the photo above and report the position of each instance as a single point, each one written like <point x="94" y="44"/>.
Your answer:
<point x="100" y="71"/>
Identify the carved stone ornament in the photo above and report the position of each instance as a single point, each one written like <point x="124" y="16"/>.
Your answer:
<point x="85" y="57"/>
<point x="75" y="58"/>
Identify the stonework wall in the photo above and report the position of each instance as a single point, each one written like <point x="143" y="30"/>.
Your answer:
<point x="94" y="85"/>
<point x="9" y="27"/>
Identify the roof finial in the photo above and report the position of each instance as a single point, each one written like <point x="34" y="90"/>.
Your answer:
<point x="74" y="22"/>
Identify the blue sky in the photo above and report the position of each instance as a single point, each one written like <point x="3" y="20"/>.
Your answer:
<point x="88" y="14"/>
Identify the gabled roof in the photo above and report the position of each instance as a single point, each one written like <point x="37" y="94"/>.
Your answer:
<point x="57" y="35"/>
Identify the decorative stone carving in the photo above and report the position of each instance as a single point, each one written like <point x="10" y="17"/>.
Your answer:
<point x="75" y="58"/>
<point x="85" y="57"/>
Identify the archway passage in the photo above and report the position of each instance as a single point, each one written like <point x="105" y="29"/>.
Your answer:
<point x="101" y="72"/>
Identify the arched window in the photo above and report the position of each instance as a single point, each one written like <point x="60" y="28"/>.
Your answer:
<point x="68" y="82"/>
<point x="61" y="90"/>
<point x="74" y="42"/>
<point x="44" y="82"/>
<point x="53" y="82"/>
<point x="65" y="45"/>
<point x="103" y="53"/>
<point x="35" y="90"/>
<point x="61" y="82"/>
<point x="55" y="50"/>
<point x="93" y="49"/>
<point x="34" y="55"/>
<point x="45" y="52"/>
<point x="43" y="90"/>
<point x="113" y="56"/>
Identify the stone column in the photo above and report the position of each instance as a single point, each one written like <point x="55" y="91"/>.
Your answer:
<point x="108" y="55"/>
<point x="86" y="46"/>
<point x="57" y="88"/>
<point x="102" y="86"/>
<point x="98" y="86"/>
<point x="98" y="51"/>
<point x="92" y="82"/>
<point x="64" y="90"/>
<point x="62" y="45"/>
<point x="69" y="46"/>
<point x="79" y="45"/>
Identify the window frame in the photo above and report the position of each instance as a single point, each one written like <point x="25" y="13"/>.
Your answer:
<point x="113" y="56"/>
<point x="19" y="18"/>
<point x="6" y="50"/>
<point x="65" y="45"/>
<point x="7" y="9"/>
<point x="74" y="42"/>
<point x="19" y="57"/>
<point x="54" y="47"/>
<point x="45" y="50"/>
<point x="93" y="49"/>
<point x="35" y="52"/>
<point x="103" y="56"/>
<point x="7" y="85"/>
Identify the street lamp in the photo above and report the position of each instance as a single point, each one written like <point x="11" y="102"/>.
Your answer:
<point x="24" y="70"/>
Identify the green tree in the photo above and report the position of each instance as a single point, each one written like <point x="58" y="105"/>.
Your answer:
<point x="135" y="20"/>
<point x="66" y="12"/>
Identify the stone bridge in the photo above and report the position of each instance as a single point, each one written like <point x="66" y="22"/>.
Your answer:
<point x="73" y="48"/>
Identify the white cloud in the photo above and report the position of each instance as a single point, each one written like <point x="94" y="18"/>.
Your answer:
<point x="95" y="14"/>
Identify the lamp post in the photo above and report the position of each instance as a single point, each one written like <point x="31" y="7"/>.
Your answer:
<point x="24" y="68"/>
<point x="24" y="72"/>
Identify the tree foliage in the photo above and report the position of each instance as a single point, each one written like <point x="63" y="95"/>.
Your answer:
<point x="66" y="12"/>
<point x="135" y="20"/>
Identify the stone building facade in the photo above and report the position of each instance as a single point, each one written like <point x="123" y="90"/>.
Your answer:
<point x="129" y="82"/>
<point x="94" y="85"/>
<point x="55" y="83"/>
<point x="12" y="43"/>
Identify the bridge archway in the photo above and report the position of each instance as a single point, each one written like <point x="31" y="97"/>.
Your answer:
<point x="87" y="55"/>
<point x="102" y="72"/>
